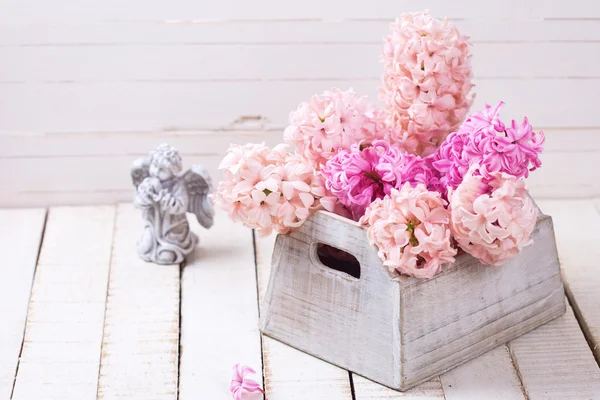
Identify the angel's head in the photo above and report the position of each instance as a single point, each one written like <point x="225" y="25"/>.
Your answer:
<point x="165" y="162"/>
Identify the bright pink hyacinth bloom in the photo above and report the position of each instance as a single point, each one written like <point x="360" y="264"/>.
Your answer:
<point x="448" y="160"/>
<point x="484" y="139"/>
<point x="331" y="121"/>
<point x="369" y="171"/>
<point x="411" y="229"/>
<point x="268" y="189"/>
<point x="513" y="149"/>
<point x="241" y="384"/>
<point x="426" y="81"/>
<point x="492" y="221"/>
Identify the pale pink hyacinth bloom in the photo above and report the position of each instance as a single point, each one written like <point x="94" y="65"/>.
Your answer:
<point x="484" y="139"/>
<point x="267" y="189"/>
<point x="411" y="229"/>
<point x="241" y="384"/>
<point x="333" y="120"/>
<point x="492" y="221"/>
<point x="426" y="81"/>
<point x="368" y="171"/>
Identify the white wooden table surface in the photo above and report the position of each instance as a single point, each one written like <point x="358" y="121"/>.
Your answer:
<point x="83" y="318"/>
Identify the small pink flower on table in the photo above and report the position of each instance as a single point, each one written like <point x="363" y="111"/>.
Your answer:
<point x="426" y="81"/>
<point x="331" y="121"/>
<point x="492" y="221"/>
<point x="241" y="384"/>
<point x="411" y="229"/>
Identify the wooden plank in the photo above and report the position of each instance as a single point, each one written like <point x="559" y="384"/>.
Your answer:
<point x="140" y="347"/>
<point x="183" y="105"/>
<point x="276" y="31"/>
<point x="133" y="144"/>
<point x="564" y="174"/>
<point x="555" y="362"/>
<point x="61" y="350"/>
<point x="177" y="62"/>
<point x="30" y="11"/>
<point x="219" y="312"/>
<point x="577" y="225"/>
<point x="20" y="238"/>
<point x="491" y="376"/>
<point x="365" y="389"/>
<point x="289" y="373"/>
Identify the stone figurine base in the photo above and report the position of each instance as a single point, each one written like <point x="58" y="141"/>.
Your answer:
<point x="402" y="333"/>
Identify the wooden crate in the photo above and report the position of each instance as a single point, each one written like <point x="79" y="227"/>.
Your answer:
<point x="403" y="332"/>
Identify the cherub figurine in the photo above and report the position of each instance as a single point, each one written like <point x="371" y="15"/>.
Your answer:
<point x="165" y="195"/>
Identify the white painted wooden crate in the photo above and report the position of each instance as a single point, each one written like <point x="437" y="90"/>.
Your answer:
<point x="403" y="332"/>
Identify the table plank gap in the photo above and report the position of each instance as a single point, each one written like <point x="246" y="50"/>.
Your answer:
<point x="577" y="227"/>
<point x="555" y="362"/>
<point x="491" y="376"/>
<point x="219" y="317"/>
<point x="21" y="232"/>
<point x="290" y="373"/>
<point x="140" y="346"/>
<point x="66" y="308"/>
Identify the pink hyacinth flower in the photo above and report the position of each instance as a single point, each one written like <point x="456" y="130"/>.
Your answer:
<point x="333" y="120"/>
<point x="369" y="171"/>
<point x="485" y="140"/>
<point x="241" y="384"/>
<point x="512" y="149"/>
<point x="411" y="229"/>
<point x="426" y="81"/>
<point x="492" y="220"/>
<point x="268" y="189"/>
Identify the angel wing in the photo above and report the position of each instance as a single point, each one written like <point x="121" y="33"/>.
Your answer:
<point x="140" y="170"/>
<point x="199" y="185"/>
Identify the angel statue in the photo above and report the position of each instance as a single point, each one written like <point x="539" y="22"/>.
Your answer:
<point x="165" y="195"/>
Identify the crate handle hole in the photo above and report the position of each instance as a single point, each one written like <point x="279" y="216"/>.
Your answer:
<point x="338" y="260"/>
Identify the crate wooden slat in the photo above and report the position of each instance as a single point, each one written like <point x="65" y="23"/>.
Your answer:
<point x="20" y="238"/>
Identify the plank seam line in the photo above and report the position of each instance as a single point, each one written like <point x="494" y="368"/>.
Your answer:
<point x="181" y="267"/>
<point x="581" y="323"/>
<point x="351" y="379"/>
<point x="110" y="265"/>
<point x="262" y="354"/>
<point x="37" y="260"/>
<point x="515" y="365"/>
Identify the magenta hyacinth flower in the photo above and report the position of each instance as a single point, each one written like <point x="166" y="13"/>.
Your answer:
<point x="485" y="140"/>
<point x="369" y="171"/>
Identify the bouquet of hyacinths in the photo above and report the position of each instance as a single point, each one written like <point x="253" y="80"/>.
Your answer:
<point x="419" y="177"/>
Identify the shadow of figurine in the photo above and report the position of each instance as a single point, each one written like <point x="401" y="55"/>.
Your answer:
<point x="165" y="195"/>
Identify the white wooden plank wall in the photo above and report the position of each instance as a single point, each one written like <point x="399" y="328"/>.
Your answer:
<point x="20" y="238"/>
<point x="86" y="87"/>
